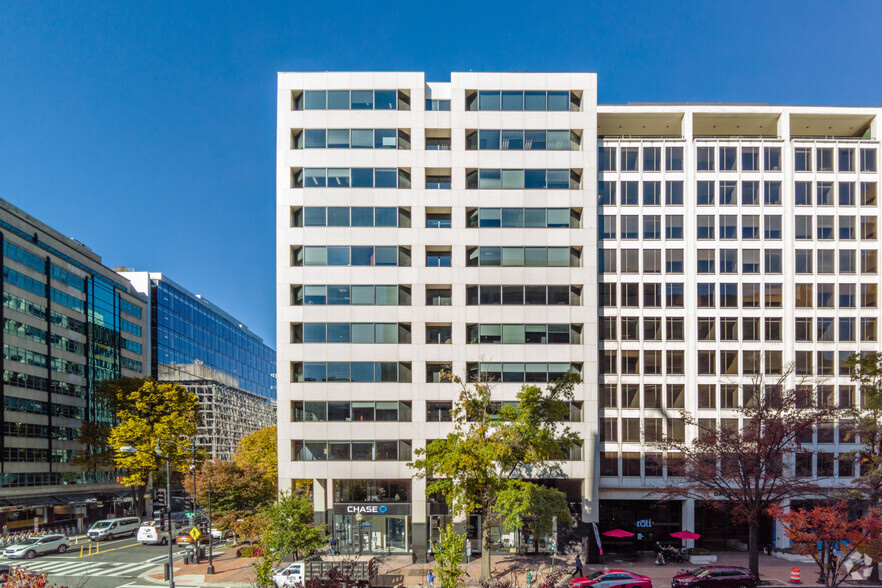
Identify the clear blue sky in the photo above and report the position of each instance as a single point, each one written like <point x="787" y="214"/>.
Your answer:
<point x="147" y="129"/>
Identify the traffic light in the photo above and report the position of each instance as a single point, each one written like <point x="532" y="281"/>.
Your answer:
<point x="160" y="497"/>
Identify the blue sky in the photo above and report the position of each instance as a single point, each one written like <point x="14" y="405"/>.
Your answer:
<point x="147" y="129"/>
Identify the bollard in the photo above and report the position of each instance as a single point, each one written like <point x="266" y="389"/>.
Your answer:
<point x="81" y="550"/>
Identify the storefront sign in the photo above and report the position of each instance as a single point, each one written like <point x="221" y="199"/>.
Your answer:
<point x="372" y="508"/>
<point x="644" y="524"/>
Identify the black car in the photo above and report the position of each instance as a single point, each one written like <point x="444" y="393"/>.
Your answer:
<point x="715" y="577"/>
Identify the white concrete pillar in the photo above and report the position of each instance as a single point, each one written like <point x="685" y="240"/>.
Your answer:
<point x="688" y="518"/>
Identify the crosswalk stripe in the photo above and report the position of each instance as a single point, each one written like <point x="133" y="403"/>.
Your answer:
<point x="53" y="567"/>
<point x="123" y="569"/>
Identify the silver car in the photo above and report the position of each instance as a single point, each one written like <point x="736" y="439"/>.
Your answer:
<point x="29" y="548"/>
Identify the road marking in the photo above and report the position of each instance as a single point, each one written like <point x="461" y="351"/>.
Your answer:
<point x="109" y="550"/>
<point x="121" y="571"/>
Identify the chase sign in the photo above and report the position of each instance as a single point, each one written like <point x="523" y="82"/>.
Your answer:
<point x="372" y="508"/>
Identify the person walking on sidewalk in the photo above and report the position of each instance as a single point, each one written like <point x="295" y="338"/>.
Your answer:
<point x="577" y="573"/>
<point x="333" y="545"/>
<point x="659" y="554"/>
<point x="430" y="578"/>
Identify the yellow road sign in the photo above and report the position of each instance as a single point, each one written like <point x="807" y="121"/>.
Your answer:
<point x="195" y="533"/>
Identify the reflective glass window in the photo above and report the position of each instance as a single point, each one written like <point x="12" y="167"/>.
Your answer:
<point x="338" y="99"/>
<point x="338" y="138"/>
<point x="362" y="138"/>
<point x="385" y="138"/>
<point x="314" y="139"/>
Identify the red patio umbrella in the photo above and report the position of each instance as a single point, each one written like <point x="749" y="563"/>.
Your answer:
<point x="685" y="535"/>
<point x="618" y="533"/>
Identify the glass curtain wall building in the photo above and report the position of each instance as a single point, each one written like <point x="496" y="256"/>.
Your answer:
<point x="672" y="254"/>
<point x="69" y="322"/>
<point x="199" y="345"/>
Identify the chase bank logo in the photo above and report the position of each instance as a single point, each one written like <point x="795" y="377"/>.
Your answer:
<point x="383" y="509"/>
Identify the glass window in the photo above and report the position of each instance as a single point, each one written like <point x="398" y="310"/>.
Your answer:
<point x="802" y="159"/>
<point x="651" y="159"/>
<point x="314" y="139"/>
<point x="606" y="193"/>
<point x="705" y="159"/>
<point x="803" y="259"/>
<point x="868" y="193"/>
<point x="629" y="158"/>
<point x="558" y="101"/>
<point x="750" y="159"/>
<point x="534" y="100"/>
<point x="846" y="159"/>
<point x="772" y="261"/>
<point x="536" y="140"/>
<point x="749" y="193"/>
<point x="630" y="193"/>
<point x="868" y="160"/>
<point x="674" y="158"/>
<point x="772" y="158"/>
<point x="488" y="100"/>
<point x="705" y="193"/>
<point x="846" y="194"/>
<point x="824" y="159"/>
<point x="772" y="227"/>
<point x="513" y="101"/>
<point x="705" y="227"/>
<point x="606" y="159"/>
<point x="512" y="140"/>
<point x="674" y="193"/>
<point x="728" y="193"/>
<point x="803" y="193"/>
<point x="825" y="193"/>
<point x="673" y="226"/>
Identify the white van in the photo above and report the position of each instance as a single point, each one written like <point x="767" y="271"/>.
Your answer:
<point x="290" y="576"/>
<point x="111" y="528"/>
<point x="151" y="533"/>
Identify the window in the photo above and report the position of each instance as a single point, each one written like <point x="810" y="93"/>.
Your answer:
<point x="772" y="261"/>
<point x="630" y="261"/>
<point x="438" y="297"/>
<point x="608" y="331"/>
<point x="803" y="228"/>
<point x="772" y="227"/>
<point x="750" y="329"/>
<point x="673" y="158"/>
<point x="728" y="227"/>
<point x="673" y="226"/>
<point x="630" y="193"/>
<point x="351" y="100"/>
<point x="439" y="334"/>
<point x="651" y="159"/>
<point x="728" y="193"/>
<point x="825" y="193"/>
<point x="847" y="261"/>
<point x="706" y="295"/>
<point x="802" y="159"/>
<point x="868" y="160"/>
<point x="868" y="193"/>
<point x="652" y="295"/>
<point x="824" y="157"/>
<point x="707" y="396"/>
<point x="869" y="296"/>
<point x="846" y="159"/>
<point x="750" y="159"/>
<point x="803" y="193"/>
<point x="706" y="259"/>
<point x="846" y="194"/>
<point x="728" y="329"/>
<point x="674" y="295"/>
<point x="651" y="193"/>
<point x="750" y="293"/>
<point x="629" y="158"/>
<point x="651" y="227"/>
<point x="869" y="231"/>
<point x="847" y="296"/>
<point x="728" y="261"/>
<point x="707" y="363"/>
<point x="825" y="228"/>
<point x="438" y="258"/>
<point x="772" y="158"/>
<point x="803" y="259"/>
<point x="674" y="329"/>
<point x="606" y="159"/>
<point x="652" y="261"/>
<point x="707" y="329"/>
<point x="630" y="295"/>
<point x="674" y="193"/>
<point x="750" y="193"/>
<point x="804" y="297"/>
<point x="826" y="263"/>
<point x="772" y="329"/>
<point x="705" y="193"/>
<point x="750" y="229"/>
<point x="728" y="158"/>
<point x="869" y="262"/>
<point x="825" y="296"/>
<point x="774" y="294"/>
<point x="869" y="329"/>
<point x="607" y="295"/>
<point x="729" y="295"/>
<point x="609" y="396"/>
<point x="606" y="193"/>
<point x="520" y="179"/>
<point x="772" y="193"/>
<point x="846" y="228"/>
<point x="803" y="329"/>
<point x="674" y="261"/>
<point x="705" y="159"/>
<point x="705" y="229"/>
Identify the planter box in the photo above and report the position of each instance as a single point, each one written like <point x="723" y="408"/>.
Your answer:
<point x="793" y="557"/>
<point x="702" y="559"/>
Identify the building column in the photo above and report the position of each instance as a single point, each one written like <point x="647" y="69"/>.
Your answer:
<point x="688" y="519"/>
<point x="779" y="537"/>
<point x="319" y="501"/>
<point x="419" y="518"/>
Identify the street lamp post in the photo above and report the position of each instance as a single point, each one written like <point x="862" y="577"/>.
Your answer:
<point x="171" y="557"/>
<point x="358" y="518"/>
<point x="210" y="569"/>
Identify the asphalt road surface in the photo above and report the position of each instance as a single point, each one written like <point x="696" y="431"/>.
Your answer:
<point x="111" y="564"/>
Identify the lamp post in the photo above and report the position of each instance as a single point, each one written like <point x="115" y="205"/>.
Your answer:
<point x="210" y="569"/>
<point x="358" y="518"/>
<point x="171" y="557"/>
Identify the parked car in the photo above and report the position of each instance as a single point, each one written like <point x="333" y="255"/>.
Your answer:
<point x="611" y="578"/>
<point x="29" y="548"/>
<point x="715" y="577"/>
<point x="219" y="535"/>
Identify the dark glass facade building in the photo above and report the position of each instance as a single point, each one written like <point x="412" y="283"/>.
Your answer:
<point x="69" y="322"/>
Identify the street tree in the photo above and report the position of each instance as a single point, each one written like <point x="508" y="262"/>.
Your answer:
<point x="290" y="528"/>
<point x="495" y="449"/>
<point x="260" y="451"/>
<point x="448" y="557"/>
<point x="96" y="454"/>
<point x="744" y="468"/>
<point x="154" y="412"/>
<point x="866" y="422"/>
<point x="238" y="491"/>
<point x="829" y="536"/>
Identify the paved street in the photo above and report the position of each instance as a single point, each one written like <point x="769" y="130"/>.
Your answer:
<point x="111" y="564"/>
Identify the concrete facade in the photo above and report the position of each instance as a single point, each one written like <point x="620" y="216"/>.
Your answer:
<point x="710" y="247"/>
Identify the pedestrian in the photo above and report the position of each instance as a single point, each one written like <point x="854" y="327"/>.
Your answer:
<point x="578" y="571"/>
<point x="333" y="544"/>
<point x="6" y="529"/>
<point x="430" y="578"/>
<point x="659" y="554"/>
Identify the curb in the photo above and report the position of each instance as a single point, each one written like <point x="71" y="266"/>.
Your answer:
<point x="146" y="578"/>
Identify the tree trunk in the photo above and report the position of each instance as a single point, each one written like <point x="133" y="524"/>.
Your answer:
<point x="753" y="547"/>
<point x="874" y="574"/>
<point x="485" y="538"/>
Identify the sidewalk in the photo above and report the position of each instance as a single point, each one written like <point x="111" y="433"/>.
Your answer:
<point x="229" y="572"/>
<point x="399" y="570"/>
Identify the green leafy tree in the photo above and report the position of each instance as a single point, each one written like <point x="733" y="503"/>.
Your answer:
<point x="866" y="369"/>
<point x="260" y="450"/>
<point x="487" y="462"/>
<point x="448" y="557"/>
<point x="154" y="412"/>
<point x="742" y="468"/>
<point x="264" y="567"/>
<point x="289" y="526"/>
<point x="96" y="453"/>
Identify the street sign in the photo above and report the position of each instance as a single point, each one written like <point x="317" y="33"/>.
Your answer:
<point x="195" y="533"/>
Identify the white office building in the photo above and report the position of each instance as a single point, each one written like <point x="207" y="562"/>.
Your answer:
<point x="669" y="253"/>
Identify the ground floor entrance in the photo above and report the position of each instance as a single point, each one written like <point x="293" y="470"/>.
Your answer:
<point x="372" y="528"/>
